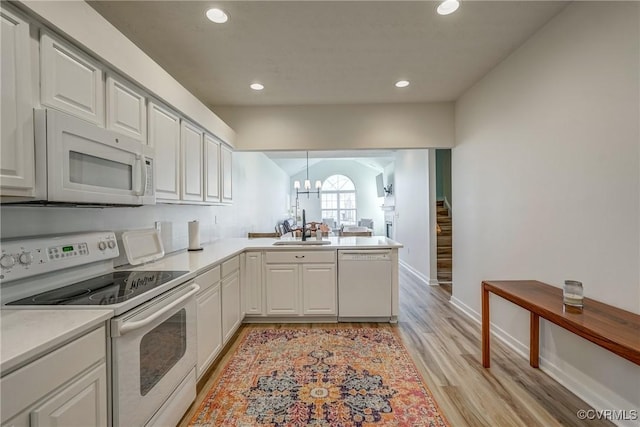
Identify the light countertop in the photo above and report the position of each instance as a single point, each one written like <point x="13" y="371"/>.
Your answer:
<point x="213" y="253"/>
<point x="27" y="334"/>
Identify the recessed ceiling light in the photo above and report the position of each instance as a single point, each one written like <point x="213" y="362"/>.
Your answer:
<point x="402" y="83"/>
<point x="448" y="7"/>
<point x="256" y="86"/>
<point x="217" y="15"/>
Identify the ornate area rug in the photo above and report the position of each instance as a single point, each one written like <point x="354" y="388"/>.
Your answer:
<point x="319" y="377"/>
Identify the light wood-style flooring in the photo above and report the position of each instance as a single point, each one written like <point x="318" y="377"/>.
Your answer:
<point x="445" y="345"/>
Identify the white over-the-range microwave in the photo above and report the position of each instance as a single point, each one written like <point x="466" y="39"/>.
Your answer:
<point x="80" y="163"/>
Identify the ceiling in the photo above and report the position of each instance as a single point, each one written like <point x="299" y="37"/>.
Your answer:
<point x="293" y="162"/>
<point x="327" y="52"/>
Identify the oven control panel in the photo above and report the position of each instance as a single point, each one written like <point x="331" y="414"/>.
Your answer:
<point x="29" y="257"/>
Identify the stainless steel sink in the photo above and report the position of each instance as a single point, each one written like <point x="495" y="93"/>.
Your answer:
<point x="301" y="243"/>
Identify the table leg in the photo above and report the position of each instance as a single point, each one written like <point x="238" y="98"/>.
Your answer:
<point x="486" y="333"/>
<point x="534" y="344"/>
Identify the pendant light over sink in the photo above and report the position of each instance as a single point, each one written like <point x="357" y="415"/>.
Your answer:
<point x="307" y="184"/>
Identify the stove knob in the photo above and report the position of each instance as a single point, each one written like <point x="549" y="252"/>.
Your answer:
<point x="112" y="244"/>
<point x="102" y="246"/>
<point x="7" y="261"/>
<point x="26" y="258"/>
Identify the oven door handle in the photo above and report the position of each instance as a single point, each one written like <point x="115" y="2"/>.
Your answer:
<point x="132" y="326"/>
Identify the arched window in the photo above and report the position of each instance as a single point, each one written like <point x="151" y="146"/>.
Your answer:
<point x="338" y="197"/>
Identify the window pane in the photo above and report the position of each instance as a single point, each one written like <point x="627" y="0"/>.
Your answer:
<point x="338" y="183"/>
<point x="347" y="200"/>
<point x="333" y="214"/>
<point x="348" y="217"/>
<point x="329" y="200"/>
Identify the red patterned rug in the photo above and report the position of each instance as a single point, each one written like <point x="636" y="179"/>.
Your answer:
<point x="319" y="377"/>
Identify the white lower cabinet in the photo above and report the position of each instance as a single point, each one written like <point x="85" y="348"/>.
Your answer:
<point x="66" y="387"/>
<point x="209" y="319"/>
<point x="300" y="283"/>
<point x="319" y="289"/>
<point x="252" y="284"/>
<point x="230" y="288"/>
<point x="83" y="402"/>
<point x="282" y="285"/>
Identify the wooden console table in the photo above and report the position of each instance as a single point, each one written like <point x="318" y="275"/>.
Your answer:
<point x="615" y="329"/>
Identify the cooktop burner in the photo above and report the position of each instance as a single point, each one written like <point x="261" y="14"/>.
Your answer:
<point x="107" y="289"/>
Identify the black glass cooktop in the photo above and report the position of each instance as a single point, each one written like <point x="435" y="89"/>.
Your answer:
<point x="107" y="289"/>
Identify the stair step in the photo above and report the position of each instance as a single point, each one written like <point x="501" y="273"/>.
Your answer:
<point x="444" y="240"/>
<point x="445" y="276"/>
<point x="444" y="251"/>
<point x="444" y="219"/>
<point x="445" y="227"/>
<point x="442" y="211"/>
<point x="445" y="264"/>
<point x="440" y="203"/>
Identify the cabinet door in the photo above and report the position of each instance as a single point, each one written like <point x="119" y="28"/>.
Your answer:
<point x="209" y="327"/>
<point x="211" y="169"/>
<point x="191" y="138"/>
<point x="164" y="136"/>
<point x="83" y="402"/>
<point x="70" y="81"/>
<point x="227" y="174"/>
<point x="252" y="285"/>
<point x="319" y="289"/>
<point x="126" y="109"/>
<point x="281" y="285"/>
<point x="17" y="163"/>
<point x="230" y="305"/>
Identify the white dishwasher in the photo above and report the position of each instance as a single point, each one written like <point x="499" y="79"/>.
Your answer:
<point x="364" y="284"/>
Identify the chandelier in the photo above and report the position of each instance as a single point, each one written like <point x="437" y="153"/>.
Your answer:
<point x="307" y="184"/>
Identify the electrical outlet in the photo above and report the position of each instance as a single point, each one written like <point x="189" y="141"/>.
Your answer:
<point x="158" y="226"/>
<point x="215" y="219"/>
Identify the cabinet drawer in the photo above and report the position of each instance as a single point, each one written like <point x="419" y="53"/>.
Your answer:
<point x="208" y="279"/>
<point x="30" y="383"/>
<point x="230" y="265"/>
<point x="285" y="257"/>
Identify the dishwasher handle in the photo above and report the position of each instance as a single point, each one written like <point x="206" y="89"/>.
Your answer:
<point x="364" y="255"/>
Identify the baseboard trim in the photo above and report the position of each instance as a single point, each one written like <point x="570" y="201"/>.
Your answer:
<point x="574" y="380"/>
<point x="496" y="331"/>
<point x="424" y="279"/>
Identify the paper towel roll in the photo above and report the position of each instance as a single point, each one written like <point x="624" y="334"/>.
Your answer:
<point x="194" y="235"/>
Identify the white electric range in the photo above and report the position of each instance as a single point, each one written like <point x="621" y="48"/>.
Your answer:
<point x="152" y="334"/>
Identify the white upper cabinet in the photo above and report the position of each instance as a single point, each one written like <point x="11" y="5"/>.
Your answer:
<point x="211" y="169"/>
<point x="192" y="162"/>
<point x="164" y="137"/>
<point x="17" y="163"/>
<point x="126" y="109"/>
<point x="227" y="174"/>
<point x="70" y="80"/>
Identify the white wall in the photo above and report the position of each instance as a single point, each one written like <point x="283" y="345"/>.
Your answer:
<point x="341" y="127"/>
<point x="364" y="178"/>
<point x="412" y="192"/>
<point x="259" y="189"/>
<point x="546" y="185"/>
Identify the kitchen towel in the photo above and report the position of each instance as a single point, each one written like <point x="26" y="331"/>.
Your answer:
<point x="194" y="236"/>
